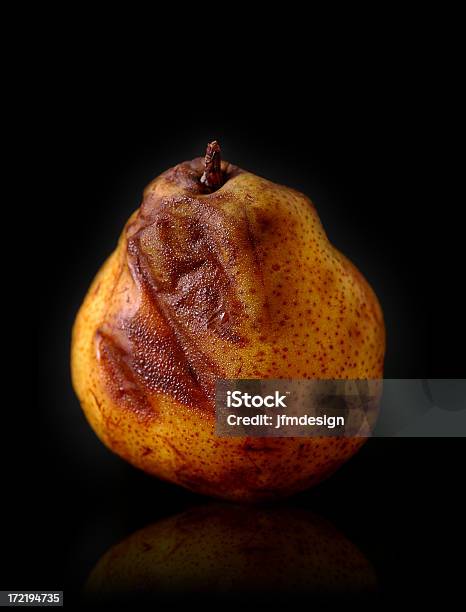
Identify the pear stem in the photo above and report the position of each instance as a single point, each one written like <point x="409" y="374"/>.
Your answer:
<point x="213" y="176"/>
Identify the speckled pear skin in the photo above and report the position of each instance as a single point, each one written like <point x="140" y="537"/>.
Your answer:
<point x="230" y="549"/>
<point x="238" y="283"/>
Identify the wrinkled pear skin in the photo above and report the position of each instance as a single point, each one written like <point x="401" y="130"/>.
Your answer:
<point x="238" y="283"/>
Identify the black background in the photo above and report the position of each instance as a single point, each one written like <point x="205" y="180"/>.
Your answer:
<point x="369" y="143"/>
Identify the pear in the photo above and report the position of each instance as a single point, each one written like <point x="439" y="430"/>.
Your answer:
<point x="220" y="274"/>
<point x="223" y="548"/>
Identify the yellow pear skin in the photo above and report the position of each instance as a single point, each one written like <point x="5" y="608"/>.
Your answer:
<point x="226" y="278"/>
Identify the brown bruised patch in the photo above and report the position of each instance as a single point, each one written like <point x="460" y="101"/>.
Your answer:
<point x="155" y="362"/>
<point x="183" y="293"/>
<point x="197" y="249"/>
<point x="187" y="271"/>
<point x="185" y="255"/>
<point x="120" y="380"/>
<point x="159" y="355"/>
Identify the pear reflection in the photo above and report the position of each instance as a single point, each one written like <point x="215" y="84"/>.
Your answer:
<point x="230" y="549"/>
